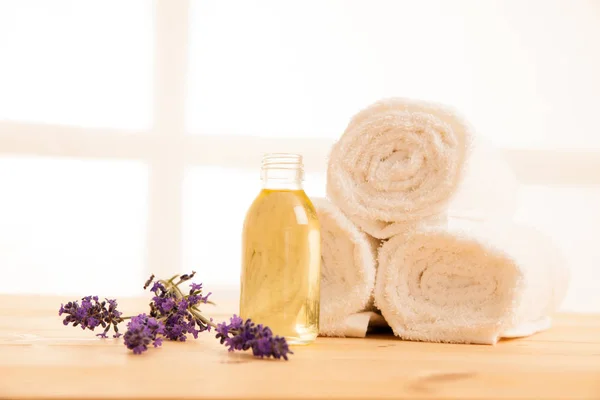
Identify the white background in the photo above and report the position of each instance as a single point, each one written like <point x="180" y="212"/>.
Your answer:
<point x="131" y="131"/>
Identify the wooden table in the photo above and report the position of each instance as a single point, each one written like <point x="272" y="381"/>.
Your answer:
<point x="40" y="358"/>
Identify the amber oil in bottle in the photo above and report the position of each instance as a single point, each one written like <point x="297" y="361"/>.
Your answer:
<point x="281" y="254"/>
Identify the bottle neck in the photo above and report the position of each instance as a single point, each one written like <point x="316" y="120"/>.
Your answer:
<point x="282" y="171"/>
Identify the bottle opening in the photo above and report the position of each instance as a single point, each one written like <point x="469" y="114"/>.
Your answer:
<point x="282" y="170"/>
<point x="282" y="160"/>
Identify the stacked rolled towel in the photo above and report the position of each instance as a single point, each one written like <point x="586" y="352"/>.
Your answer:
<point x="407" y="171"/>
<point x="401" y="162"/>
<point x="398" y="162"/>
<point x="347" y="274"/>
<point x="473" y="283"/>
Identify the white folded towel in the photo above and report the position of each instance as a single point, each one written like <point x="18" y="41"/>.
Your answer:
<point x="399" y="161"/>
<point x="469" y="282"/>
<point x="347" y="273"/>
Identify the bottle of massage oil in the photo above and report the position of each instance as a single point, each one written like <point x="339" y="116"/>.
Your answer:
<point x="281" y="254"/>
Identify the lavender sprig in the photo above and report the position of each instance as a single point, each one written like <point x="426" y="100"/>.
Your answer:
<point x="92" y="313"/>
<point x="244" y="335"/>
<point x="174" y="314"/>
<point x="179" y="311"/>
<point x="141" y="331"/>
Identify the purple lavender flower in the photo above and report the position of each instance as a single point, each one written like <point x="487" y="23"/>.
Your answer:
<point x="180" y="315"/>
<point x="194" y="299"/>
<point x="92" y="322"/>
<point x="186" y="277"/>
<point x="244" y="335"/>
<point x="180" y="321"/>
<point x="157" y="287"/>
<point x="141" y="331"/>
<point x="195" y="287"/>
<point x="235" y="323"/>
<point x="149" y="281"/>
<point x="164" y="304"/>
<point x="91" y="314"/>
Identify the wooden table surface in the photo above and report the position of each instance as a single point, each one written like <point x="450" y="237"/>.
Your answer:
<point x="40" y="358"/>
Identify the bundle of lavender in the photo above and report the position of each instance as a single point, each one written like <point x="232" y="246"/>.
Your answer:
<point x="174" y="314"/>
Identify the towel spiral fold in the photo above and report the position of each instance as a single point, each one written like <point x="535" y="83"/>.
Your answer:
<point x="399" y="161"/>
<point x="471" y="285"/>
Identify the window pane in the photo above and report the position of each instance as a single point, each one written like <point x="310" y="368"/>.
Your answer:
<point x="75" y="62"/>
<point x="571" y="216"/>
<point x="72" y="227"/>
<point x="314" y="184"/>
<point x="215" y="204"/>
<point x="301" y="69"/>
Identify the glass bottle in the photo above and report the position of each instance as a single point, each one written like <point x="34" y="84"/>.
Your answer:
<point x="281" y="254"/>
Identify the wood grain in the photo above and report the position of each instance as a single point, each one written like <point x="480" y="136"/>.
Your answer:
<point x="40" y="358"/>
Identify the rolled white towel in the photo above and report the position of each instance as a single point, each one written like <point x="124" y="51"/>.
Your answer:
<point x="347" y="273"/>
<point x="399" y="161"/>
<point x="469" y="284"/>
